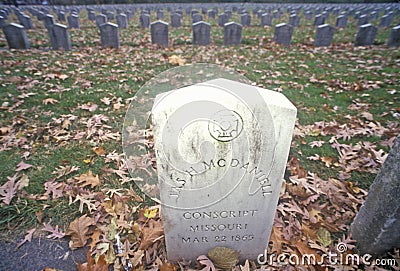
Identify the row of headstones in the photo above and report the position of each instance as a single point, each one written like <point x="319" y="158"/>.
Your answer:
<point x="26" y="21"/>
<point x="266" y="15"/>
<point x="109" y="34"/>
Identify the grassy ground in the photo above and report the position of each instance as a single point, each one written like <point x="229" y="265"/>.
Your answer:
<point x="48" y="97"/>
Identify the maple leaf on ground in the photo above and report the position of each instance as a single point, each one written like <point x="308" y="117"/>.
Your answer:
<point x="55" y="232"/>
<point x="151" y="233"/>
<point x="88" y="178"/>
<point x="78" y="230"/>
<point x="27" y="238"/>
<point x="8" y="190"/>
<point x="208" y="264"/>
<point x="22" y="165"/>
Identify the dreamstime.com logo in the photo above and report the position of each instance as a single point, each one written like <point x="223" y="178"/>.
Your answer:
<point x="329" y="259"/>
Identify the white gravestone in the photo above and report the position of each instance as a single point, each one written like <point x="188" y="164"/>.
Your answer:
<point x="221" y="149"/>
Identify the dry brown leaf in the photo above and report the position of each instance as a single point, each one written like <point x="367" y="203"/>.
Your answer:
<point x="174" y="59"/>
<point x="165" y="266"/>
<point x="87" y="179"/>
<point x="49" y="101"/>
<point x="4" y="130"/>
<point x="277" y="240"/>
<point x="78" y="230"/>
<point x="99" y="151"/>
<point x="150" y="233"/>
<point x="91" y="265"/>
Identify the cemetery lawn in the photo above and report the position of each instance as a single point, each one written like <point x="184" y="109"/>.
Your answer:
<point x="61" y="119"/>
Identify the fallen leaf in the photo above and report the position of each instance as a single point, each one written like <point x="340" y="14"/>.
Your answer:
<point x="324" y="237"/>
<point x="174" y="59"/>
<point x="78" y="230"/>
<point x="22" y="166"/>
<point x="99" y="151"/>
<point x="49" y="101"/>
<point x="165" y="266"/>
<point x="150" y="213"/>
<point x="87" y="179"/>
<point x="92" y="265"/>
<point x="4" y="130"/>
<point x="208" y="264"/>
<point x="150" y="233"/>
<point x="55" y="232"/>
<point x="9" y="189"/>
<point x="327" y="160"/>
<point x="27" y="238"/>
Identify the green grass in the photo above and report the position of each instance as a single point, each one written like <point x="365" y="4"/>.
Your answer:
<point x="317" y="80"/>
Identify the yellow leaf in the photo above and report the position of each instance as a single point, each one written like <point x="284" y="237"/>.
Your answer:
<point x="112" y="229"/>
<point x="324" y="236"/>
<point x="174" y="59"/>
<point x="86" y="161"/>
<point x="150" y="213"/>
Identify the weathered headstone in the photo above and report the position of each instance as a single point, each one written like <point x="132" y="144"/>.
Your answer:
<point x="386" y="21"/>
<point x="294" y="20"/>
<point x="101" y="19"/>
<point x="324" y="35"/>
<point x="276" y="14"/>
<point x="196" y="18"/>
<point x="91" y="15"/>
<point x="211" y="14"/>
<point x="2" y="21"/>
<point x="232" y="33"/>
<point x="266" y="19"/>
<point x="376" y="227"/>
<point x="222" y="19"/>
<point x="144" y="20"/>
<point x="110" y="15"/>
<point x="122" y="20"/>
<point x="176" y="20"/>
<point x="363" y="19"/>
<point x="245" y="19"/>
<point x="48" y="21"/>
<point x="159" y="33"/>
<point x="365" y="35"/>
<point x="109" y="35"/>
<point x="16" y="36"/>
<point x="341" y="21"/>
<point x="25" y="21"/>
<point x="201" y="33"/>
<point x="394" y="37"/>
<point x="221" y="150"/>
<point x="160" y="15"/>
<point x="283" y="34"/>
<point x="319" y="19"/>
<point x="308" y="15"/>
<point x="59" y="37"/>
<point x="61" y="16"/>
<point x="73" y="21"/>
